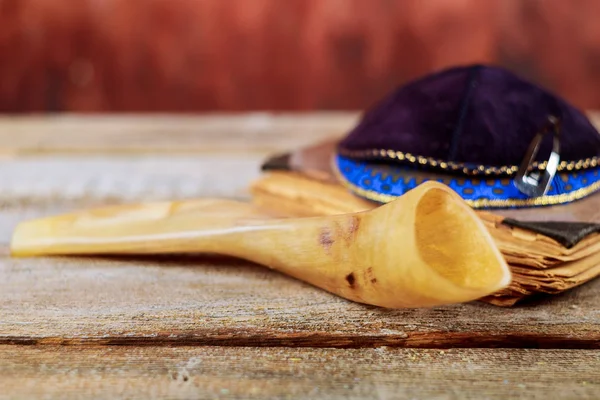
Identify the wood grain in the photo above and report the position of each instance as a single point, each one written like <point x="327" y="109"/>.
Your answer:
<point x="130" y="134"/>
<point x="213" y="301"/>
<point x="209" y="372"/>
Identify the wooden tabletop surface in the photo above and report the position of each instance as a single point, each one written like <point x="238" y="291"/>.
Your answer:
<point x="201" y="327"/>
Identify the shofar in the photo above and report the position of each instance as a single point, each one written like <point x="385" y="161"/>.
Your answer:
<point x="424" y="249"/>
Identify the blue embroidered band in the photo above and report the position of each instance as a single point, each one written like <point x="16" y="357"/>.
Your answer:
<point x="384" y="182"/>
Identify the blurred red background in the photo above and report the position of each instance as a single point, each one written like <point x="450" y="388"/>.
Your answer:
<point x="207" y="55"/>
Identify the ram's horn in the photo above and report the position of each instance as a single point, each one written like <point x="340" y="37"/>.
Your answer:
<point x="424" y="249"/>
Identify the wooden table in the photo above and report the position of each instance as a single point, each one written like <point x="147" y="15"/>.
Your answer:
<point x="222" y="328"/>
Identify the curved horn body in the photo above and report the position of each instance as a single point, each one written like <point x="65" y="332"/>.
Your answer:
<point x="424" y="249"/>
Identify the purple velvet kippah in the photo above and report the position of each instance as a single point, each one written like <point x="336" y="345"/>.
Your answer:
<point x="476" y="117"/>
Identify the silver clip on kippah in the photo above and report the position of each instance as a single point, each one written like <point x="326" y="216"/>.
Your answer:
<point x="537" y="183"/>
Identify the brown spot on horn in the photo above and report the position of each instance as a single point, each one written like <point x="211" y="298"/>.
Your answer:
<point x="326" y="239"/>
<point x="351" y="279"/>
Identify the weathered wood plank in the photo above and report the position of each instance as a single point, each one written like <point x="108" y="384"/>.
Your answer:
<point x="212" y="301"/>
<point x="210" y="372"/>
<point x="174" y="134"/>
<point x="214" y="133"/>
<point x="118" y="179"/>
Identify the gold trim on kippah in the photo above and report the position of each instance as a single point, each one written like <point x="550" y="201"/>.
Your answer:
<point x="546" y="200"/>
<point x="462" y="167"/>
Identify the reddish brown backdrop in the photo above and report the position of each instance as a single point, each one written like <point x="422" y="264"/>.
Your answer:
<point x="201" y="55"/>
